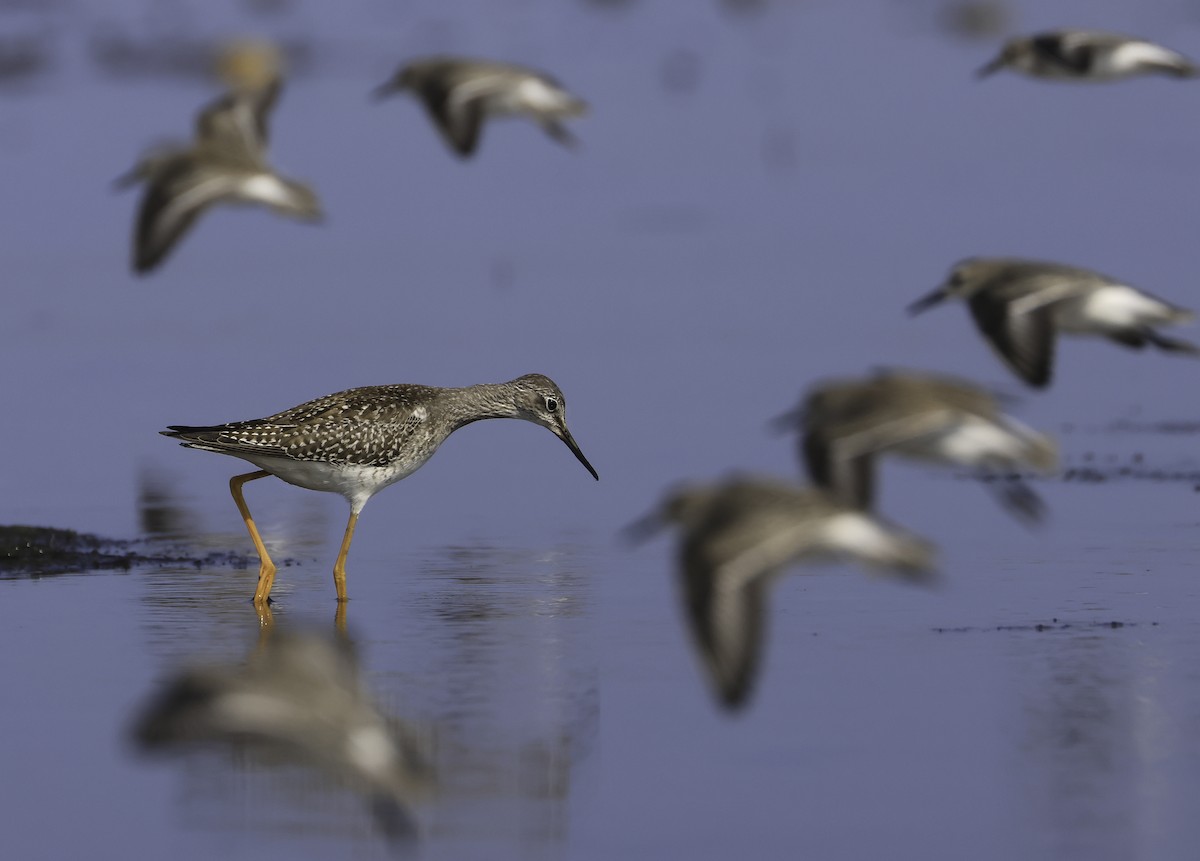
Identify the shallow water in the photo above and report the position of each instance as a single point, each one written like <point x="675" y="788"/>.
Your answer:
<point x="757" y="197"/>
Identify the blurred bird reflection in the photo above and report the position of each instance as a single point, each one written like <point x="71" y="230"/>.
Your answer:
<point x="298" y="698"/>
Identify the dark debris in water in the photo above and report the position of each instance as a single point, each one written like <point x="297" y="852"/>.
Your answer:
<point x="1052" y="625"/>
<point x="1098" y="474"/>
<point x="1092" y="468"/>
<point x="1175" y="427"/>
<point x="1134" y="425"/>
<point x="35" y="551"/>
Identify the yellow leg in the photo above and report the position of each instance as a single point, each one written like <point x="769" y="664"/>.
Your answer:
<point x="266" y="568"/>
<point x="339" y="567"/>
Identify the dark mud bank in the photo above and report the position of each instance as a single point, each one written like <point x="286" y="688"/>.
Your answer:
<point x="37" y="551"/>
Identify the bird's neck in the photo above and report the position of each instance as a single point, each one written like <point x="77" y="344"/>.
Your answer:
<point x="475" y="403"/>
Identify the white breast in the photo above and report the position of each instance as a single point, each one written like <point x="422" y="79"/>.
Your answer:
<point x="266" y="188"/>
<point x="356" y="483"/>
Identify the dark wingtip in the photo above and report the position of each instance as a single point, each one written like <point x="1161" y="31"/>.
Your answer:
<point x="734" y="695"/>
<point x="145" y="263"/>
<point x="1038" y="378"/>
<point x="395" y="821"/>
<point x="1019" y="499"/>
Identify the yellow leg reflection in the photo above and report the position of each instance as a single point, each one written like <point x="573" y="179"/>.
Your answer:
<point x="339" y="567"/>
<point x="266" y="624"/>
<point x="266" y="568"/>
<point x="339" y="619"/>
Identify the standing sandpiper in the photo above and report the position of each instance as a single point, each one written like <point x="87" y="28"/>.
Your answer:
<point x="1088" y="55"/>
<point x="359" y="441"/>
<point x="460" y="94"/>
<point x="1020" y="305"/>
<point x="738" y="535"/>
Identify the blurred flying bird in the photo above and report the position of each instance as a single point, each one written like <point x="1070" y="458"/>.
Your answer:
<point x="738" y="535"/>
<point x="226" y="163"/>
<point x="1088" y="55"/>
<point x="1020" y="305"/>
<point x="460" y="94"/>
<point x="847" y="424"/>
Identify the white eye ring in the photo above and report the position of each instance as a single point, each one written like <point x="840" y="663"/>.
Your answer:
<point x="551" y="405"/>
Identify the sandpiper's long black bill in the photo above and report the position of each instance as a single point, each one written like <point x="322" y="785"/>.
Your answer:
<point x="644" y="528"/>
<point x="384" y="90"/>
<point x="565" y="436"/>
<point x="927" y="302"/>
<point x="992" y="67"/>
<point x="787" y="422"/>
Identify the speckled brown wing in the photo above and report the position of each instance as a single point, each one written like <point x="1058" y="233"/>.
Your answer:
<point x="368" y="403"/>
<point x="368" y="426"/>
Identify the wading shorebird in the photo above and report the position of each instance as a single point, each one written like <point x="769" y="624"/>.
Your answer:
<point x="300" y="695"/>
<point x="1020" y="305"/>
<point x="847" y="424"/>
<point x="359" y="441"/>
<point x="460" y="94"/>
<point x="738" y="535"/>
<point x="1088" y="55"/>
<point x="226" y="163"/>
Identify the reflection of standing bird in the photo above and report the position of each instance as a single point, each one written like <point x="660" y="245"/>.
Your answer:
<point x="848" y="423"/>
<point x="1088" y="55"/>
<point x="299" y="695"/>
<point x="460" y="94"/>
<point x="738" y="535"/>
<point x="359" y="441"/>
<point x="1020" y="305"/>
<point x="225" y="164"/>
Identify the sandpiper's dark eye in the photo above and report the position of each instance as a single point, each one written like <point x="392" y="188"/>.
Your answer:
<point x="551" y="405"/>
